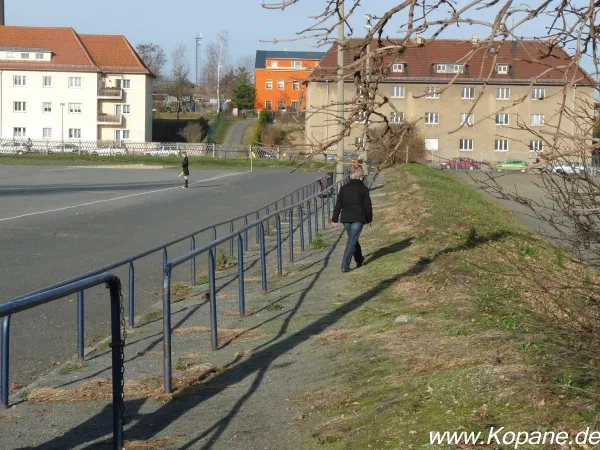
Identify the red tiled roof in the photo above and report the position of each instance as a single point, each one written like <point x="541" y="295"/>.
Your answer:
<point x="70" y="51"/>
<point x="113" y="53"/>
<point x="528" y="60"/>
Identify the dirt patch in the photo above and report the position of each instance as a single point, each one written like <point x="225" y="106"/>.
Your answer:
<point x="154" y="444"/>
<point x="324" y="399"/>
<point x="334" y="336"/>
<point x="225" y="335"/>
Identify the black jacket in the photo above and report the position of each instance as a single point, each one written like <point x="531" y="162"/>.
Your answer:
<point x="185" y="163"/>
<point x="354" y="202"/>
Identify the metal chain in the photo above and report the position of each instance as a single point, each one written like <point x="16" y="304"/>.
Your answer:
<point x="123" y="339"/>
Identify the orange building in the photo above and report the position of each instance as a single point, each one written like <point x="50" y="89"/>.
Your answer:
<point x="278" y="78"/>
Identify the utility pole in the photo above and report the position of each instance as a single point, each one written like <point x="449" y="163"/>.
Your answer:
<point x="198" y="40"/>
<point x="340" y="93"/>
<point x="365" y="142"/>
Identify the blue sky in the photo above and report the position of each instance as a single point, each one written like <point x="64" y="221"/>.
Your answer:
<point x="171" y="23"/>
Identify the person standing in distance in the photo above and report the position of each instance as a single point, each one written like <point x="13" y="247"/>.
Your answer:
<point x="185" y="164"/>
<point x="354" y="206"/>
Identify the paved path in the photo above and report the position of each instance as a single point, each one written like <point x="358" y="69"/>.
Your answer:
<point x="56" y="223"/>
<point x="235" y="134"/>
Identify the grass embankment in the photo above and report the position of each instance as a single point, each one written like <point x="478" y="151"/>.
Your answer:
<point x="461" y="331"/>
<point x="197" y="163"/>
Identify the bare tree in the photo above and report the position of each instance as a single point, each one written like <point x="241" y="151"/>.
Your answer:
<point x="245" y="65"/>
<point x="153" y="56"/>
<point x="179" y="84"/>
<point x="217" y="53"/>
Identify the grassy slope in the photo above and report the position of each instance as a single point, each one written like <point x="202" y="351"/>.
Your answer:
<point x="446" y="342"/>
<point x="195" y="162"/>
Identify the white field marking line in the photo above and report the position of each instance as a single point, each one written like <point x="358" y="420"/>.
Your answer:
<point x="116" y="198"/>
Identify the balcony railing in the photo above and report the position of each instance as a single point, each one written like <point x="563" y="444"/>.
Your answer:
<point x="109" y="119"/>
<point x="110" y="93"/>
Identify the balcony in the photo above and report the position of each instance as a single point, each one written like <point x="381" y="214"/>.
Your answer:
<point x="109" y="119"/>
<point x="108" y="93"/>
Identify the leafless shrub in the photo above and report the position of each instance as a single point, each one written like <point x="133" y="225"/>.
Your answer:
<point x="272" y="135"/>
<point x="397" y="144"/>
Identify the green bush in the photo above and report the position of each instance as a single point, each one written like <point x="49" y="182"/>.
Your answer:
<point x="264" y="118"/>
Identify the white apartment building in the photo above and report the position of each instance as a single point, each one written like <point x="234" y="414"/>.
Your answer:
<point x="58" y="85"/>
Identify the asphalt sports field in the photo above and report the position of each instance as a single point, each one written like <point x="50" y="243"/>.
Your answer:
<point x="58" y="222"/>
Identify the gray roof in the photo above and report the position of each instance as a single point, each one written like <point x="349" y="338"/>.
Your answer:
<point x="24" y="49"/>
<point x="263" y="55"/>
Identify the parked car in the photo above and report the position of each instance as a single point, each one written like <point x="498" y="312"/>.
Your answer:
<point x="66" y="148"/>
<point x="463" y="164"/>
<point x="513" y="164"/>
<point x="14" y="147"/>
<point x="109" y="150"/>
<point x="165" y="150"/>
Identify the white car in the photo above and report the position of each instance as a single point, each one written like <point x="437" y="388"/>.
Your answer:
<point x="14" y="148"/>
<point x="566" y="168"/>
<point x="65" y="148"/>
<point x="165" y="150"/>
<point x="109" y="150"/>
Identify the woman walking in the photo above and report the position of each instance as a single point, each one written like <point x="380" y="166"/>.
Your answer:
<point x="354" y="205"/>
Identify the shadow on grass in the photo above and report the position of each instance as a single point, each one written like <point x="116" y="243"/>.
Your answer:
<point x="390" y="249"/>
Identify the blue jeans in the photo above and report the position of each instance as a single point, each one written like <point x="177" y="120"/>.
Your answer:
<point x="353" y="231"/>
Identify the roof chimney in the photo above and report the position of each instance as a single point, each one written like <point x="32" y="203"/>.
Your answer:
<point x="1" y="12"/>
<point x="285" y="49"/>
<point x="474" y="40"/>
<point x="419" y="38"/>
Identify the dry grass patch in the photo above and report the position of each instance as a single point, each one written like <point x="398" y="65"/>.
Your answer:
<point x="325" y="399"/>
<point x="334" y="336"/>
<point x="225" y="335"/>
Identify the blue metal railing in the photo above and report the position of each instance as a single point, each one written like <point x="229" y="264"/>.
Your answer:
<point x="31" y="301"/>
<point x="327" y="196"/>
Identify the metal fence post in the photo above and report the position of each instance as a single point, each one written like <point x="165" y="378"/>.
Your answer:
<point x="323" y="211"/>
<point x="231" y="230"/>
<point x="269" y="219"/>
<point x="165" y="258"/>
<point x="301" y="213"/>
<point x="214" y="341"/>
<point x="5" y="359"/>
<point x="263" y="259"/>
<point x="242" y="290"/>
<point x="117" y="363"/>
<point x="257" y="231"/>
<point x="328" y="205"/>
<point x="80" y="326"/>
<point x="168" y="387"/>
<point x="131" y="295"/>
<point x="291" y="235"/>
<point x="193" y="260"/>
<point x="279" y="253"/>
<point x="246" y="234"/>
<point x="309" y="223"/>
<point x="316" y="217"/>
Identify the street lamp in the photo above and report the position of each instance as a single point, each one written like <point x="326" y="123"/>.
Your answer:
<point x="62" y="117"/>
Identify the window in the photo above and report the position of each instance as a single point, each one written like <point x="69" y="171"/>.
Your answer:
<point x="19" y="132"/>
<point x="358" y="141"/>
<point x="295" y="106"/>
<point x="47" y="133"/>
<point x="74" y="133"/>
<point x="432" y="118"/>
<point x="280" y="104"/>
<point x="501" y="145"/>
<point x="47" y="107"/>
<point x="502" y="69"/>
<point x="537" y="120"/>
<point x="296" y="85"/>
<point x="397" y="117"/>
<point x="122" y="135"/>
<point x="124" y="84"/>
<point x="457" y="68"/>
<point x="19" y="80"/>
<point x="24" y="55"/>
<point x="74" y="82"/>
<point x="280" y="85"/>
<point x="398" y="91"/>
<point x="297" y="64"/>
<point x="269" y="105"/>
<point x="10" y="56"/>
<point x="467" y="119"/>
<point x="538" y="94"/>
<point x="431" y="144"/>
<point x="536" y="146"/>
<point x="20" y="106"/>
<point x="39" y="56"/>
<point x="502" y="93"/>
<point x="47" y="82"/>
<point x="269" y="84"/>
<point x="121" y="110"/>
<point x="75" y="108"/>
<point x="466" y="144"/>
<point x="441" y="68"/>
<point x="398" y="67"/>
<point x="467" y="93"/>
<point x="502" y="119"/>
<point x="273" y="63"/>
<point x="432" y="92"/>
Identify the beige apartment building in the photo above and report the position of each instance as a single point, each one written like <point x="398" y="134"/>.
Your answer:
<point x="58" y="85"/>
<point x="469" y="99"/>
